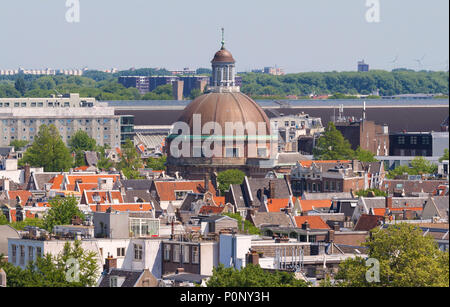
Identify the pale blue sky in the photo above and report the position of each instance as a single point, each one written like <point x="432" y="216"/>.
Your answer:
<point x="297" y="35"/>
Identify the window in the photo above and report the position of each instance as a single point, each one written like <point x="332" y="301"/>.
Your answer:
<point x="14" y="253"/>
<point x="401" y="140"/>
<point x="113" y="282"/>
<point x="22" y="255"/>
<point x="186" y="254"/>
<point x="262" y="152"/>
<point x="286" y="123"/>
<point x="195" y="254"/>
<point x="30" y="253"/>
<point x="166" y="252"/>
<point x="121" y="252"/>
<point x="176" y="253"/>
<point x="38" y="252"/>
<point x="414" y="140"/>
<point x="179" y="195"/>
<point x="137" y="252"/>
<point x="425" y="140"/>
<point x="232" y="153"/>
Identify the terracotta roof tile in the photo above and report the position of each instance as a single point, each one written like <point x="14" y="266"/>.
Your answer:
<point x="21" y="194"/>
<point x="138" y="207"/>
<point x="308" y="205"/>
<point x="314" y="221"/>
<point x="166" y="189"/>
<point x="276" y="204"/>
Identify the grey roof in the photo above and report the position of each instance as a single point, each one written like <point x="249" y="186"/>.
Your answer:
<point x="186" y="277"/>
<point x="405" y="202"/>
<point x="260" y="187"/>
<point x="290" y="158"/>
<point x="40" y="179"/>
<point x="412" y="186"/>
<point x="131" y="278"/>
<point x="131" y="196"/>
<point x="91" y="158"/>
<point x="442" y="204"/>
<point x="138" y="184"/>
<point x="189" y="199"/>
<point x="318" y="196"/>
<point x="5" y="151"/>
<point x="215" y="218"/>
<point x="372" y="167"/>
<point x="6" y="232"/>
<point x="280" y="219"/>
<point x="375" y="202"/>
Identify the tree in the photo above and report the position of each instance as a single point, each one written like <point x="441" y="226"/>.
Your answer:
<point x="248" y="226"/>
<point x="407" y="258"/>
<point x="229" y="177"/>
<point x="364" y="155"/>
<point x="374" y="192"/>
<point x="61" y="212"/>
<point x="3" y="219"/>
<point x="20" y="86"/>
<point x="445" y="157"/>
<point x="130" y="161"/>
<point x="252" y="276"/>
<point x="18" y="144"/>
<point x="48" y="151"/>
<point x="157" y="164"/>
<point x="54" y="271"/>
<point x="79" y="143"/>
<point x="195" y="93"/>
<point x="333" y="146"/>
<point x="103" y="162"/>
<point x="419" y="166"/>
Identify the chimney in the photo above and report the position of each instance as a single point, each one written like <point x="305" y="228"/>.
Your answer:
<point x="110" y="263"/>
<point x="252" y="257"/>
<point x="306" y="226"/>
<point x="272" y="189"/>
<point x="6" y="185"/>
<point x="26" y="174"/>
<point x="336" y="226"/>
<point x="179" y="270"/>
<point x="389" y="202"/>
<point x="206" y="182"/>
<point x="331" y="236"/>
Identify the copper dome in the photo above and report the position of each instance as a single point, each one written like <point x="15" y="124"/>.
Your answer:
<point x="223" y="56"/>
<point x="225" y="107"/>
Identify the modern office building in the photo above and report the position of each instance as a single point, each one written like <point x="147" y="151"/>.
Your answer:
<point x="425" y="144"/>
<point x="20" y="119"/>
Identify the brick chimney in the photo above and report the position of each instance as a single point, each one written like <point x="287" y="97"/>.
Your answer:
<point x="331" y="236"/>
<point x="272" y="189"/>
<point x="306" y="226"/>
<point x="26" y="174"/>
<point x="110" y="263"/>
<point x="252" y="257"/>
<point x="336" y="226"/>
<point x="207" y="183"/>
<point x="389" y="202"/>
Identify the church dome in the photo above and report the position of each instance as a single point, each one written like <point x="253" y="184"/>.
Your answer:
<point x="221" y="108"/>
<point x="223" y="56"/>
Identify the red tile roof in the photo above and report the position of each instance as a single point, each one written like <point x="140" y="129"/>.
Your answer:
<point x="308" y="163"/>
<point x="166" y="189"/>
<point x="219" y="200"/>
<point x="308" y="205"/>
<point x="314" y="221"/>
<point x="211" y="210"/>
<point x="138" y="207"/>
<point x="21" y="194"/>
<point x="276" y="204"/>
<point x="105" y="197"/>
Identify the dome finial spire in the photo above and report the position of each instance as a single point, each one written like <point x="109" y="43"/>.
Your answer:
<point x="223" y="38"/>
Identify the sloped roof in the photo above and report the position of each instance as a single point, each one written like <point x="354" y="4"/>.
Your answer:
<point x="318" y="196"/>
<point x="271" y="218"/>
<point x="135" y="184"/>
<point x="6" y="232"/>
<point x="442" y="205"/>
<point x="308" y="205"/>
<point x="166" y="189"/>
<point x="21" y="194"/>
<point x="368" y="222"/>
<point x="131" y="278"/>
<point x="315" y="222"/>
<point x="412" y="186"/>
<point x="137" y="207"/>
<point x="276" y="204"/>
<point x="104" y="197"/>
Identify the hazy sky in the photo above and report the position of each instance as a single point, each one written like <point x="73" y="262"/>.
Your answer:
<point x="297" y="35"/>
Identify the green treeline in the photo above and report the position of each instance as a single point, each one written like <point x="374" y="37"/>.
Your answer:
<point x="105" y="86"/>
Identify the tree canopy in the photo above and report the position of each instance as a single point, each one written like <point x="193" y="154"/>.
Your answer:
<point x="61" y="212"/>
<point x="157" y="164"/>
<point x="445" y="157"/>
<point x="229" y="177"/>
<point x="252" y="276"/>
<point x="419" y="166"/>
<point x="55" y="271"/>
<point x="333" y="146"/>
<point x="406" y="258"/>
<point x="130" y="161"/>
<point x="48" y="151"/>
<point x="79" y="143"/>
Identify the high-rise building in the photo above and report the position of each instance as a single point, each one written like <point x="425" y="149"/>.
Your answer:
<point x="363" y="66"/>
<point x="141" y="83"/>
